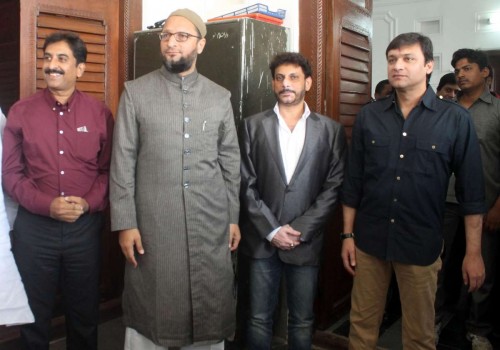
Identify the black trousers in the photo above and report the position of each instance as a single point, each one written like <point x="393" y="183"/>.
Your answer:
<point x="450" y="283"/>
<point x="51" y="254"/>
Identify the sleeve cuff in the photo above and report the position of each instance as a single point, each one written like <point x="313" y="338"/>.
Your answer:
<point x="273" y="233"/>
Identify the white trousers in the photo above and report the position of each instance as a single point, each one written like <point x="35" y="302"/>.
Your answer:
<point x="136" y="341"/>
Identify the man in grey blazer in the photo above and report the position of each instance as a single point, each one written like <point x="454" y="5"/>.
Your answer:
<point x="292" y="163"/>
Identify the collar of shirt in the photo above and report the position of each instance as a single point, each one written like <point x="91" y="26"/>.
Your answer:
<point x="291" y="142"/>
<point x="428" y="101"/>
<point x="53" y="103"/>
<point x="486" y="96"/>
<point x="185" y="81"/>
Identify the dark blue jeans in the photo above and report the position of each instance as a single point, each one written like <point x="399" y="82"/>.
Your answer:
<point x="301" y="281"/>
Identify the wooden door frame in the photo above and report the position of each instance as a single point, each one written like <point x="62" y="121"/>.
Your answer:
<point x="320" y="42"/>
<point x="312" y="45"/>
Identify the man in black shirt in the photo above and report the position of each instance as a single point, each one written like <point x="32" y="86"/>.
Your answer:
<point x="403" y="151"/>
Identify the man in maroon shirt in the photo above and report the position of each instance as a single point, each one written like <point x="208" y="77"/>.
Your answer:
<point x="57" y="146"/>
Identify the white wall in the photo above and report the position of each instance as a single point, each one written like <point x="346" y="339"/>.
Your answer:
<point x="463" y="25"/>
<point x="156" y="10"/>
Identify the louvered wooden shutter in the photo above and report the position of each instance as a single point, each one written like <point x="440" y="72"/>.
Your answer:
<point x="93" y="33"/>
<point x="354" y="75"/>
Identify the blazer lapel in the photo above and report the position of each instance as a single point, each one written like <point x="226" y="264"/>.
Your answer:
<point x="313" y="132"/>
<point x="270" y="125"/>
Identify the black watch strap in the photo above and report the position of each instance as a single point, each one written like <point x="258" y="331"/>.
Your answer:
<point x="346" y="235"/>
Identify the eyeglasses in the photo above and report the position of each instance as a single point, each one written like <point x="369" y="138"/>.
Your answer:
<point x="179" y="36"/>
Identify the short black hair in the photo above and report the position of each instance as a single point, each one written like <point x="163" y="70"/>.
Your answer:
<point x="448" y="78"/>
<point x="74" y="42"/>
<point x="407" y="39"/>
<point x="291" y="58"/>
<point x="381" y="85"/>
<point x="473" y="56"/>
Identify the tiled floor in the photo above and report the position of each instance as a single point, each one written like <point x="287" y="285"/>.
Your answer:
<point x="111" y="335"/>
<point x="452" y="336"/>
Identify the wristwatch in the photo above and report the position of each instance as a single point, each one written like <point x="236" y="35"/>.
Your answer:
<point x="345" y="235"/>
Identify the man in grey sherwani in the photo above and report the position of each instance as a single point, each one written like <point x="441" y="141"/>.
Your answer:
<point x="175" y="179"/>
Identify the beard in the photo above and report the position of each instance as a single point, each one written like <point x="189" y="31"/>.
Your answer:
<point x="299" y="97"/>
<point x="182" y="65"/>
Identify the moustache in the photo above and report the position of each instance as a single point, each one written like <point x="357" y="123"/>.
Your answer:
<point x="286" y="90"/>
<point x="50" y="71"/>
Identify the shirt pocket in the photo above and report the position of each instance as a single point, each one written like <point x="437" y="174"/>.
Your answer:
<point x="205" y="135"/>
<point x="87" y="146"/>
<point x="429" y="155"/>
<point x="377" y="153"/>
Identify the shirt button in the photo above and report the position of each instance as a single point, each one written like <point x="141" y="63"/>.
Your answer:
<point x="373" y="142"/>
<point x="61" y="152"/>
<point x="401" y="156"/>
<point x="62" y="193"/>
<point x="395" y="199"/>
<point x="61" y="113"/>
<point x="392" y="221"/>
<point x="186" y="120"/>
<point x="398" y="178"/>
<point x="186" y="135"/>
<point x="433" y="146"/>
<point x="61" y="132"/>
<point x="404" y="134"/>
<point x="184" y="91"/>
<point x="62" y="172"/>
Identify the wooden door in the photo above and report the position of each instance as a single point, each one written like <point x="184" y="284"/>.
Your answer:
<point x="336" y="36"/>
<point x="107" y="28"/>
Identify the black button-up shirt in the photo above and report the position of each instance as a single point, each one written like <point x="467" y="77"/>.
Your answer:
<point x="398" y="172"/>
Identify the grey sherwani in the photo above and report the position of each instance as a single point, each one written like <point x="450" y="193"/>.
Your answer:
<point x="175" y="177"/>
